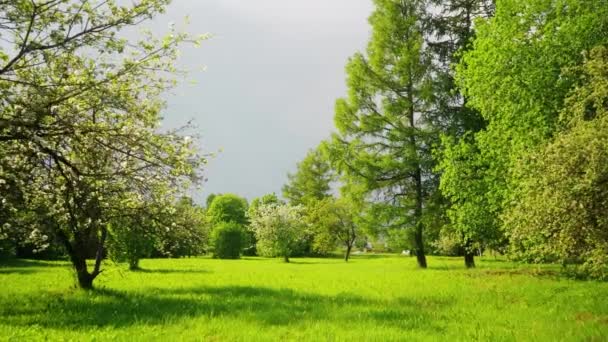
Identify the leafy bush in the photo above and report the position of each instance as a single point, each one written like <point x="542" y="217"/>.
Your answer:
<point x="228" y="240"/>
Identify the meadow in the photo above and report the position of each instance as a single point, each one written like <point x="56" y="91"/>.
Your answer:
<point x="374" y="297"/>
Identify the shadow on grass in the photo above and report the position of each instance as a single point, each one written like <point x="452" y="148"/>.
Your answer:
<point x="169" y="271"/>
<point x="16" y="271"/>
<point x="23" y="263"/>
<point x="266" y="306"/>
<point x="372" y="256"/>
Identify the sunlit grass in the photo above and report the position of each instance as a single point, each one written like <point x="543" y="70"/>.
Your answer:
<point x="371" y="298"/>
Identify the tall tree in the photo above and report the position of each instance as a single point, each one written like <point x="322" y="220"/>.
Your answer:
<point x="452" y="32"/>
<point x="312" y="180"/>
<point x="384" y="134"/>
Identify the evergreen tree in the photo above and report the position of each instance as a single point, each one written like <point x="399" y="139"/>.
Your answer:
<point x="384" y="134"/>
<point x="312" y="180"/>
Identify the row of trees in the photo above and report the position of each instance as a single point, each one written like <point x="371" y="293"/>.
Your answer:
<point x="273" y="228"/>
<point x="473" y="125"/>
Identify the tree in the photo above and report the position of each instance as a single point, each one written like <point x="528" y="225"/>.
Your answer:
<point x="452" y="26"/>
<point x="560" y="207"/>
<point x="228" y="208"/>
<point x="384" y="134"/>
<point x="312" y="180"/>
<point x="515" y="76"/>
<point x="132" y="240"/>
<point x="210" y="199"/>
<point x="80" y="115"/>
<point x="335" y="220"/>
<point x="464" y="184"/>
<point x="185" y="230"/>
<point x="278" y="228"/>
<point x="255" y="205"/>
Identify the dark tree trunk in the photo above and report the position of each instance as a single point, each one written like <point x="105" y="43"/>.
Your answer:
<point x="418" y="235"/>
<point x="134" y="264"/>
<point x="347" y="255"/>
<point x="469" y="255"/>
<point x="469" y="259"/>
<point x="79" y="261"/>
<point x="85" y="279"/>
<point x="77" y="252"/>
<point x="286" y="258"/>
<point x="420" y="256"/>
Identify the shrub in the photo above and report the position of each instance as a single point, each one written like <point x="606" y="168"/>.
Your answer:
<point x="228" y="240"/>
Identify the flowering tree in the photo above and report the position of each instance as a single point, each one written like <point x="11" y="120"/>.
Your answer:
<point x="278" y="228"/>
<point x="80" y="113"/>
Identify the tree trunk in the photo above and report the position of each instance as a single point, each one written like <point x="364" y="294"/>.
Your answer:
<point x="469" y="259"/>
<point x="418" y="235"/>
<point x="79" y="261"/>
<point x="347" y="255"/>
<point x="77" y="253"/>
<point x="420" y="256"/>
<point x="134" y="264"/>
<point x="286" y="258"/>
<point x="469" y="255"/>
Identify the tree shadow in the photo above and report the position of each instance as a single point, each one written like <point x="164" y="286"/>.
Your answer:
<point x="169" y="271"/>
<point x="16" y="271"/>
<point x="295" y="261"/>
<point x="265" y="306"/>
<point x="23" y="263"/>
<point x="371" y="255"/>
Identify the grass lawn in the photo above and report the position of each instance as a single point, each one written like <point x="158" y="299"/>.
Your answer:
<point x="376" y="298"/>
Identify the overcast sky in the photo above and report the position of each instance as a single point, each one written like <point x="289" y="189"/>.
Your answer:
<point x="273" y="71"/>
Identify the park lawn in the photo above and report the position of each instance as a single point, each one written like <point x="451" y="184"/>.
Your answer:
<point x="376" y="298"/>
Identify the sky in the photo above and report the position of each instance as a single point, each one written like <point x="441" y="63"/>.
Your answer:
<point x="273" y="70"/>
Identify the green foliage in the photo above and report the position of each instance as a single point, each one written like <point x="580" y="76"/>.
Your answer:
<point x="463" y="183"/>
<point x="517" y="75"/>
<point x="560" y="207"/>
<point x="312" y="180"/>
<point x="256" y="203"/>
<point x="178" y="231"/>
<point x="228" y="240"/>
<point x="227" y="208"/>
<point x="278" y="229"/>
<point x="130" y="242"/>
<point x="334" y="222"/>
<point x="209" y="200"/>
<point x="186" y="231"/>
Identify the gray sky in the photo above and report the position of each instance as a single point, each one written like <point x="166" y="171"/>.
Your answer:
<point x="273" y="71"/>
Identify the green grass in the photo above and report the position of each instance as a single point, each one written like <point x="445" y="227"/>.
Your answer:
<point x="370" y="298"/>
